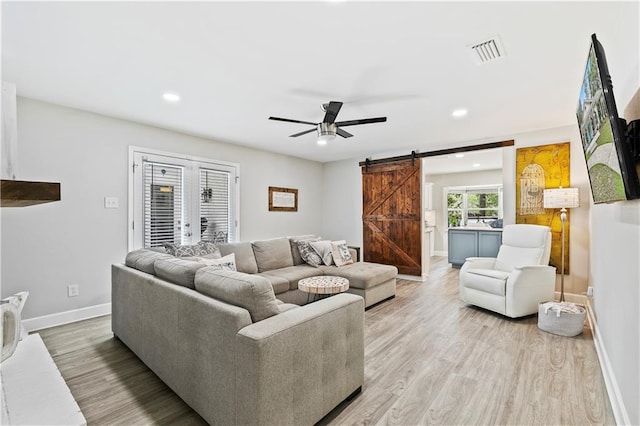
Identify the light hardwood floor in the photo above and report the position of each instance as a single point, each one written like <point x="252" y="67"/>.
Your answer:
<point x="429" y="359"/>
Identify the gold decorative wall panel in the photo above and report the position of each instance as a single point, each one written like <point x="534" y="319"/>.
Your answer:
<point x="539" y="168"/>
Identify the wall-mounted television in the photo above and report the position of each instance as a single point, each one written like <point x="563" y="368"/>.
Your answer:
<point x="607" y="150"/>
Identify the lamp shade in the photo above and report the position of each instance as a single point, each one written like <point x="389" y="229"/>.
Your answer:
<point x="559" y="198"/>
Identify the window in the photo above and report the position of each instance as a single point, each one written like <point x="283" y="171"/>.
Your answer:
<point x="482" y="206"/>
<point x="454" y="208"/>
<point x="162" y="204"/>
<point x="473" y="205"/>
<point x="181" y="200"/>
<point x="214" y="205"/>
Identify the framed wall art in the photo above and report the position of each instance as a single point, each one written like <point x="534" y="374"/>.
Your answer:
<point x="283" y="199"/>
<point x="539" y="168"/>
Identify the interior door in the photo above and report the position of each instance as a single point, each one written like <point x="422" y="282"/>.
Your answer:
<point x="391" y="222"/>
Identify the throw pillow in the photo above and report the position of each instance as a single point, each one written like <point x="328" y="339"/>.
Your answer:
<point x="341" y="254"/>
<point x="323" y="248"/>
<point x="295" y="253"/>
<point x="227" y="262"/>
<point x="201" y="248"/>
<point x="308" y="254"/>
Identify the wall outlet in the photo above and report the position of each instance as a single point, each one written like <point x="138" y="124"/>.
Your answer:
<point x="73" y="291"/>
<point x="590" y="291"/>
<point x="111" y="202"/>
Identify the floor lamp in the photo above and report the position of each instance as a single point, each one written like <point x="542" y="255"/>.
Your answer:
<point x="563" y="199"/>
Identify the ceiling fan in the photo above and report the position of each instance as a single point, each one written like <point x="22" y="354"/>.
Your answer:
<point x="328" y="127"/>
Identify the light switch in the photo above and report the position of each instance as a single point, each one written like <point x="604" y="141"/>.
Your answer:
<point x="110" y="202"/>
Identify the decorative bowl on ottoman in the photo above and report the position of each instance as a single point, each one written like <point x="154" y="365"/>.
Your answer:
<point x="561" y="318"/>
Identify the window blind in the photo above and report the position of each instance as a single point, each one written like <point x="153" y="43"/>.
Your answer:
<point x="163" y="200"/>
<point x="215" y="218"/>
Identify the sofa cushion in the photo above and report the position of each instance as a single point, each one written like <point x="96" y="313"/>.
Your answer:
<point x="272" y="254"/>
<point x="308" y="254"/>
<point x="251" y="292"/>
<point x="227" y="262"/>
<point x="323" y="248"/>
<point x="341" y="253"/>
<point x="178" y="271"/>
<point x="295" y="253"/>
<point x="293" y="274"/>
<point x="201" y="248"/>
<point x="245" y="260"/>
<point x="279" y="284"/>
<point x="363" y="275"/>
<point x="143" y="259"/>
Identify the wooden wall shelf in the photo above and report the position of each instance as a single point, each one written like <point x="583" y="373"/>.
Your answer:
<point x="20" y="193"/>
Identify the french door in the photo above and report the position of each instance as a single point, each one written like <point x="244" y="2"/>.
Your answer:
<point x="181" y="200"/>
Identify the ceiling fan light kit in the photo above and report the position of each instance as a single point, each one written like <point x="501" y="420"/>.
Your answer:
<point x="328" y="128"/>
<point x="326" y="132"/>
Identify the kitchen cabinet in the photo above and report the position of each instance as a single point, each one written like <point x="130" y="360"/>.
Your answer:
<point x="472" y="242"/>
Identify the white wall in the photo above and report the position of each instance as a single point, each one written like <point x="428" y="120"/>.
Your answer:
<point x="342" y="202"/>
<point x="74" y="241"/>
<point x="615" y="260"/>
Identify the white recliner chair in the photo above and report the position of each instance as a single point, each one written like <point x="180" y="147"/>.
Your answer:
<point x="518" y="279"/>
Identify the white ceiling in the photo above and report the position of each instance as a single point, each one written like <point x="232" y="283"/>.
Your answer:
<point x="236" y="64"/>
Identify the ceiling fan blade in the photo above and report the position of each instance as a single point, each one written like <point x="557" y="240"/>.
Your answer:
<point x="302" y="133"/>
<point x="362" y="121"/>
<point x="332" y="112"/>
<point x="343" y="133"/>
<point x="288" y="120"/>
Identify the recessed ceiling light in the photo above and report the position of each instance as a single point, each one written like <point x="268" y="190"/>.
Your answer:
<point x="459" y="155"/>
<point x="476" y="164"/>
<point x="170" y="97"/>
<point x="459" y="113"/>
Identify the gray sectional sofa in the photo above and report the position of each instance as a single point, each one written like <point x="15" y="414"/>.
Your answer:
<point x="235" y="346"/>
<point x="279" y="261"/>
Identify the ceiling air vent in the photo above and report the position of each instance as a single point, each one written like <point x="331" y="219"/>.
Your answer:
<point x="487" y="51"/>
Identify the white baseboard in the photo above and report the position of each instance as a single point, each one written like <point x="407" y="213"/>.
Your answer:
<point x="580" y="299"/>
<point x="615" y="397"/>
<point x="47" y="321"/>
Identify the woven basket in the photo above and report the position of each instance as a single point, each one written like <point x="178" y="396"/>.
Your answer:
<point x="563" y="323"/>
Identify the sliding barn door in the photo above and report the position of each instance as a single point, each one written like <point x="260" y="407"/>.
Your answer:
<point x="391" y="215"/>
